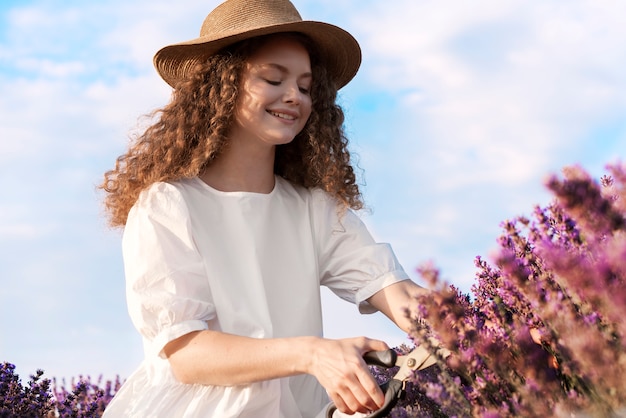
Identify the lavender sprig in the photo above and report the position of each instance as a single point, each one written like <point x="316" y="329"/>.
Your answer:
<point x="543" y="331"/>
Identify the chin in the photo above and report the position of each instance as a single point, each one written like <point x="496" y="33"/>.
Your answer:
<point x="284" y="141"/>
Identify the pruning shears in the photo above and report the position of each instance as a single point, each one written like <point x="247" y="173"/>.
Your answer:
<point x="418" y="359"/>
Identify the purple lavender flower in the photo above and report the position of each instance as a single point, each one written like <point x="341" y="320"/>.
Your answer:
<point x="39" y="398"/>
<point x="543" y="330"/>
<point x="17" y="400"/>
<point x="542" y="333"/>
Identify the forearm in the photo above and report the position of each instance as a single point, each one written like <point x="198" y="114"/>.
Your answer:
<point x="216" y="358"/>
<point x="397" y="301"/>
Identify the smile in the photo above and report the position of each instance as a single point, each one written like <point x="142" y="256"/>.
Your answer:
<point x="282" y="115"/>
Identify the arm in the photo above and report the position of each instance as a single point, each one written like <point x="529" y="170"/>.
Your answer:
<point x="236" y="360"/>
<point x="395" y="300"/>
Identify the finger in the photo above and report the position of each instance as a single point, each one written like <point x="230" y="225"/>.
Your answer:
<point x="363" y="402"/>
<point x="360" y="392"/>
<point x="339" y="403"/>
<point x="346" y="402"/>
<point x="374" y="345"/>
<point x="375" y="396"/>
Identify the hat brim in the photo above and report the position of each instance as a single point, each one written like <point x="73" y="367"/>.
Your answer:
<point x="338" y="49"/>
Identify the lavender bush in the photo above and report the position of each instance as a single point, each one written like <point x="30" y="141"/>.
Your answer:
<point x="16" y="400"/>
<point x="42" y="398"/>
<point x="542" y="333"/>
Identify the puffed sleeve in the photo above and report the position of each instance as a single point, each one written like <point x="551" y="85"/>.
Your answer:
<point x="167" y="290"/>
<point x="351" y="263"/>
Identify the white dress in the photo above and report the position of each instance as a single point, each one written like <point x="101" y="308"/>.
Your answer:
<point x="244" y="263"/>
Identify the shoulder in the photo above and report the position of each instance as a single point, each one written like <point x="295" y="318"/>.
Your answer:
<point x="331" y="214"/>
<point x="324" y="208"/>
<point x="315" y="197"/>
<point x="161" y="201"/>
<point x="289" y="189"/>
<point x="159" y="194"/>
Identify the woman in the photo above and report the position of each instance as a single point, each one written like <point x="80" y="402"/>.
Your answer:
<point x="237" y="204"/>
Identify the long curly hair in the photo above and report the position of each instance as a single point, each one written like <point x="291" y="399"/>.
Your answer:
<point x="190" y="132"/>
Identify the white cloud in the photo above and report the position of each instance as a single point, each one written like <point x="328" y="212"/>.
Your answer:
<point x="22" y="231"/>
<point x="478" y="101"/>
<point x="498" y="88"/>
<point x="49" y="68"/>
<point x="490" y="97"/>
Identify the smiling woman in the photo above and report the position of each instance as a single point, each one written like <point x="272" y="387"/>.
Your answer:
<point x="273" y="107"/>
<point x="448" y="150"/>
<point x="237" y="204"/>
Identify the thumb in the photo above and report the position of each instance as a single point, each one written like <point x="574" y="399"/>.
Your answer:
<point x="375" y="345"/>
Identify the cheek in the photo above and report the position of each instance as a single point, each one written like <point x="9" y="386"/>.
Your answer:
<point x="242" y="109"/>
<point x="259" y="93"/>
<point x="306" y="107"/>
<point x="251" y="94"/>
<point x="247" y="106"/>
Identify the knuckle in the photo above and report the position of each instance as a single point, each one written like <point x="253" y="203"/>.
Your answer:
<point x="371" y="386"/>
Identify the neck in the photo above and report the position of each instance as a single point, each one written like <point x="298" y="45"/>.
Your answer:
<point x="242" y="169"/>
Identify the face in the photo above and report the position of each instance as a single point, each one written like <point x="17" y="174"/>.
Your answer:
<point x="274" y="102"/>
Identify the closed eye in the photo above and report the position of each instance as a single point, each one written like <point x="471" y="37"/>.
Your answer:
<point x="303" y="90"/>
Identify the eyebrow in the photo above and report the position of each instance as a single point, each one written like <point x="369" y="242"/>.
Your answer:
<point x="285" y="70"/>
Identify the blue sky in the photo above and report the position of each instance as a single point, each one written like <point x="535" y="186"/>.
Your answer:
<point x="460" y="111"/>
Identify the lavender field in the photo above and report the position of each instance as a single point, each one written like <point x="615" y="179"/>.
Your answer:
<point x="541" y="334"/>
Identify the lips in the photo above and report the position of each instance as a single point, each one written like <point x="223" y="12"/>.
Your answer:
<point x="282" y="115"/>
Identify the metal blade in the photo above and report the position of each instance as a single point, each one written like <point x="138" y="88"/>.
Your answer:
<point x="418" y="359"/>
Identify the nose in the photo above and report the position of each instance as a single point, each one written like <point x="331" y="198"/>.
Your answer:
<point x="293" y="94"/>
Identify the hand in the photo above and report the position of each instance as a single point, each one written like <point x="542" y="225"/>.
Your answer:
<point x="339" y="367"/>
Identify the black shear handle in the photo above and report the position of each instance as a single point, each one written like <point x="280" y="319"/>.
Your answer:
<point x="393" y="392"/>
<point x="385" y="358"/>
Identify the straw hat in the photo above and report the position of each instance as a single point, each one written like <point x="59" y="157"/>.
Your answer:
<point x="236" y="20"/>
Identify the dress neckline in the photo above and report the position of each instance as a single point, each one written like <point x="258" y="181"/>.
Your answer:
<point x="239" y="193"/>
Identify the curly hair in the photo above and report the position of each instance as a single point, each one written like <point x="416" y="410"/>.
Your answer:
<point x="192" y="129"/>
